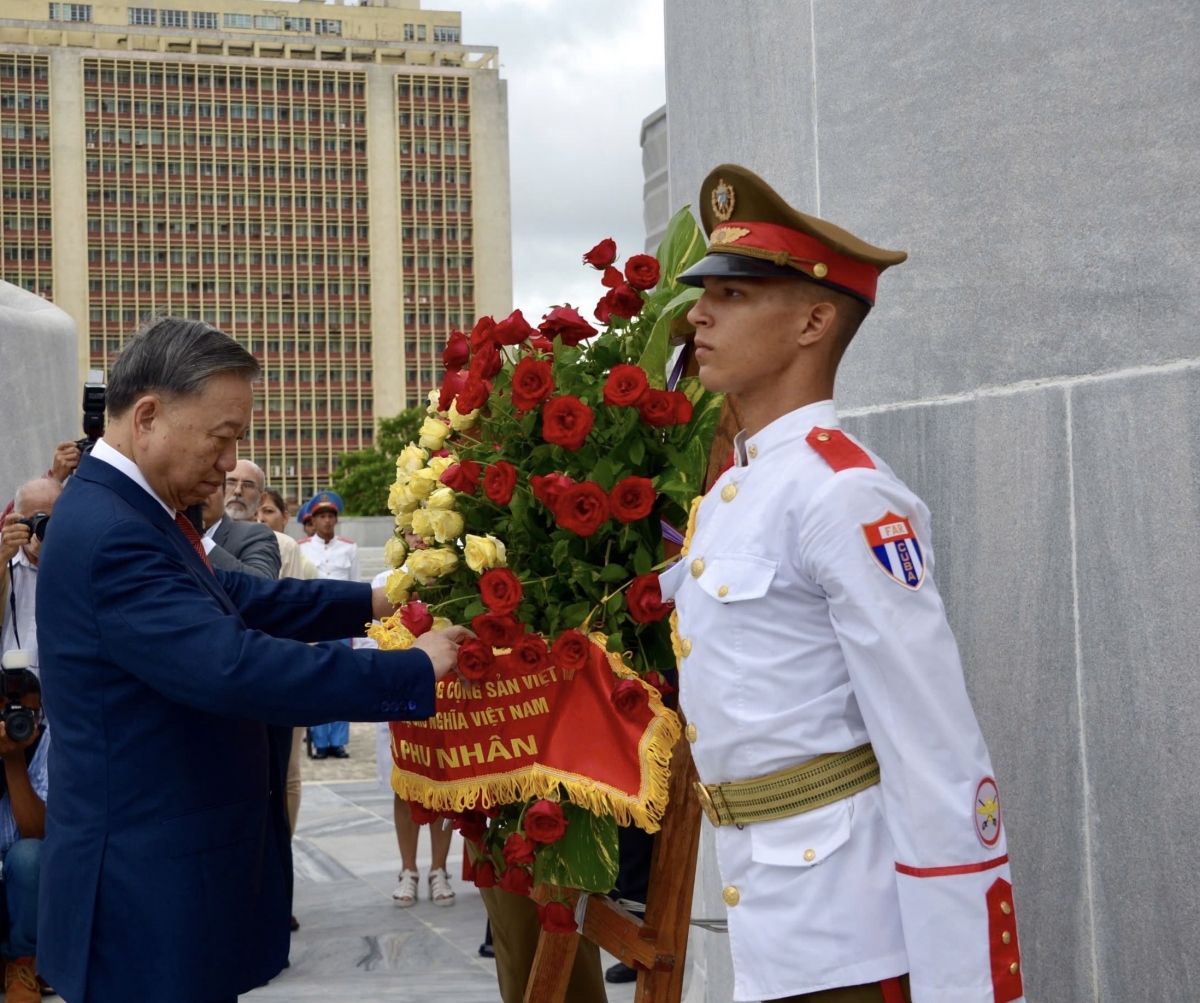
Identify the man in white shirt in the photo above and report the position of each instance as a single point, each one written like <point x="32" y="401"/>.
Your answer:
<point x="19" y="562"/>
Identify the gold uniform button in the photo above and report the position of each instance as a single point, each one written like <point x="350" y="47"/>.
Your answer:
<point x="820" y="270"/>
<point x="729" y="492"/>
<point x="1013" y="968"/>
<point x="1006" y="908"/>
<point x="723" y="591"/>
<point x="731" y="895"/>
<point x="691" y="733"/>
<point x="810" y="855"/>
<point x="1005" y="936"/>
<point x="685" y="647"/>
<point x="823" y="437"/>
<point x="697" y="568"/>
<point x="753" y="452"/>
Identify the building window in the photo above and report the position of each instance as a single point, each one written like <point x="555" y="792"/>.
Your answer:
<point x="297" y="23"/>
<point x="143" y="15"/>
<point x="328" y="27"/>
<point x="204" y="19"/>
<point x="410" y="32"/>
<point x="269" y="22"/>
<point x="420" y="33"/>
<point x="174" y="18"/>
<point x="70" y="12"/>
<point x="445" y="34"/>
<point x="239" y="21"/>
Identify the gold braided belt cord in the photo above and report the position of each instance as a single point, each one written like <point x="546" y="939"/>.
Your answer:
<point x="793" y="791"/>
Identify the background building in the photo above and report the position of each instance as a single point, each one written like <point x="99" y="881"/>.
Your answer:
<point x="328" y="184"/>
<point x="1032" y="371"/>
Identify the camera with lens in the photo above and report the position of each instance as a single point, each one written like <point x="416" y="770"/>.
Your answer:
<point x="37" y="524"/>
<point x="20" y="724"/>
<point x="94" y="393"/>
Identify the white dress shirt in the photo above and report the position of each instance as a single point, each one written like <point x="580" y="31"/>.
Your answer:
<point x="337" y="558"/>
<point x="20" y="624"/>
<point x="800" y="639"/>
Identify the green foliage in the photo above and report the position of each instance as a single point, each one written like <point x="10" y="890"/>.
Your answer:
<point x="364" y="477"/>
<point x="585" y="858"/>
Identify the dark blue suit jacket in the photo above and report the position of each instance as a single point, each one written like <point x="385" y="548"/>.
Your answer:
<point x="163" y="875"/>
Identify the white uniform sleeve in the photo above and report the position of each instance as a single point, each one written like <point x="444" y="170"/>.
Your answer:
<point x="940" y="799"/>
<point x="354" y="573"/>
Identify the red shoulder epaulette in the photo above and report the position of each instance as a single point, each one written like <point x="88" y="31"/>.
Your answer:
<point x="307" y="539"/>
<point x="836" y="449"/>
<point x="345" y="539"/>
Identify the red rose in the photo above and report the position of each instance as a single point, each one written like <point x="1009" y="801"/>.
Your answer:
<point x="683" y="407"/>
<point x="629" y="697"/>
<point x="452" y="385"/>
<point x="626" y="386"/>
<point x="487" y="363"/>
<point x="633" y="498"/>
<point x="485" y="874"/>
<point x="602" y="312"/>
<point x="644" y="598"/>
<point x="657" y="408"/>
<point x="501" y="590"/>
<point x="612" y="278"/>
<point x="532" y="383"/>
<point x="475" y="658"/>
<point x="545" y="822"/>
<point x="462" y="476"/>
<point x="570" y="651"/>
<point x="623" y="302"/>
<point x="641" y="271"/>
<point x="519" y="850"/>
<point x="582" y="508"/>
<point x="472" y="824"/>
<point x="542" y="344"/>
<point x="499" y="480"/>
<point x="659" y="682"/>
<point x="457" y="351"/>
<point x="556" y="918"/>
<point x="422" y="815"/>
<point x="547" y="489"/>
<point x="481" y="333"/>
<point x="497" y="630"/>
<point x="517" y="881"/>
<point x="512" y="330"/>
<point x="529" y="654"/>
<point x="566" y="422"/>
<point x="468" y="871"/>
<point x="416" y="617"/>
<point x="564" y="322"/>
<point x="602" y="255"/>
<point x="474" y="394"/>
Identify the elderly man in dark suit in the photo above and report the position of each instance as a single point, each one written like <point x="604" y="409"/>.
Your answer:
<point x="249" y="547"/>
<point x="164" y="867"/>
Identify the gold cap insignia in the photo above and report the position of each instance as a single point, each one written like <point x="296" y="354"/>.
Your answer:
<point x="723" y="199"/>
<point x="728" y="234"/>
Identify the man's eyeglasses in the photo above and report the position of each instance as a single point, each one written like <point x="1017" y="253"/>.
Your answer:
<point x="244" y="485"/>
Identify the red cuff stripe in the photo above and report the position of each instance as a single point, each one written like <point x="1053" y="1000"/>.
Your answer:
<point x="945" y="872"/>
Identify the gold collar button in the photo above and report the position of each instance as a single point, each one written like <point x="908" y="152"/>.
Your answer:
<point x="697" y="568"/>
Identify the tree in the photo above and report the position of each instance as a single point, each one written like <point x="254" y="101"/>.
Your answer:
<point x="363" y="478"/>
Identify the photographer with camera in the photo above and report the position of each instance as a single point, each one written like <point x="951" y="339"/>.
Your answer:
<point x="20" y="545"/>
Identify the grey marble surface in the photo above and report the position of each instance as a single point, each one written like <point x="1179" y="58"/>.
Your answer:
<point x="353" y="943"/>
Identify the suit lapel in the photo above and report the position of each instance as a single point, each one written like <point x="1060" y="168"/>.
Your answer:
<point x="108" y="476"/>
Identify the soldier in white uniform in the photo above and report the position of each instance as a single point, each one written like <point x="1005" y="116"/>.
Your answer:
<point x="860" y="836"/>
<point x="334" y="557"/>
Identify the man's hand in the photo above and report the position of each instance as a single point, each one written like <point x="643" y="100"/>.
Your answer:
<point x="442" y="648"/>
<point x="66" y="459"/>
<point x="13" y="537"/>
<point x="10" y="749"/>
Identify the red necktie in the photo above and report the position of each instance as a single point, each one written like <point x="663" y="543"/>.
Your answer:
<point x="193" y="537"/>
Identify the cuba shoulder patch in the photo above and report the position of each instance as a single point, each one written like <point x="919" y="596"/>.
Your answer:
<point x="896" y="549"/>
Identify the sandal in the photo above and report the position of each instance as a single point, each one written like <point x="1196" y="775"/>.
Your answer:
<point x="405" y="894"/>
<point x="440" y="892"/>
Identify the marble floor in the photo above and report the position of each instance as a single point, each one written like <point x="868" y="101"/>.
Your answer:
<point x="354" y="945"/>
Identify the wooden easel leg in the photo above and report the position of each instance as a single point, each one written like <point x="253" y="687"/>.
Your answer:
<point x="552" y="966"/>
<point x="672" y="879"/>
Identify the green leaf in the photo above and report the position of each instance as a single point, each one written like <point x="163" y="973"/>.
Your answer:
<point x="586" y="856"/>
<point x="474" y="609"/>
<point x="637" y="452"/>
<point x="613" y="573"/>
<point x="642" y="562"/>
<point x="615" y="642"/>
<point x="657" y="351"/>
<point x="576" y="613"/>
<point x="682" y="246"/>
<point x="685" y="298"/>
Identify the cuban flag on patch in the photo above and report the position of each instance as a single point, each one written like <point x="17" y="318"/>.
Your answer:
<point x="896" y="550"/>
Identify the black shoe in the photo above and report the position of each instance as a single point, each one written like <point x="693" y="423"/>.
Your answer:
<point x="339" y="752"/>
<point x="620" y="972"/>
<point x="294" y="924"/>
<point x="320" y="754"/>
<point x="487" y="951"/>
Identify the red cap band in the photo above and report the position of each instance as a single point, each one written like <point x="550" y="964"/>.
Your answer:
<point x="814" y="258"/>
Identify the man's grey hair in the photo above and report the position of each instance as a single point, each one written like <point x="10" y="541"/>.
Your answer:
<point x="174" y="357"/>
<point x="46" y="486"/>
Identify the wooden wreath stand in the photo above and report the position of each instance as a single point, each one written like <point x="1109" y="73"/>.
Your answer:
<point x="655" y="946"/>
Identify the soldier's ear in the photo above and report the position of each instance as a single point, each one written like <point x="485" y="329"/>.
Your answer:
<point x="820" y="323"/>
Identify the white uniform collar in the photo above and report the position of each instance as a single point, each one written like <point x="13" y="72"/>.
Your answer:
<point x="784" y="431"/>
<point x="105" y="453"/>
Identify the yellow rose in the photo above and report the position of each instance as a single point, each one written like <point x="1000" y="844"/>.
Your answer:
<point x="434" y="433"/>
<point x="423" y="483"/>
<point x="401" y="498"/>
<point x="394" y="552"/>
<point x="442" y="498"/>
<point x="433" y="563"/>
<point x="460" y="422"/>
<point x="484" y="552"/>
<point x="411" y="459"/>
<point x="441" y="623"/>
<point x="437" y="524"/>
<point x="397" y="586"/>
<point x="440" y="464"/>
<point x="422" y="524"/>
<point x="404" y="521"/>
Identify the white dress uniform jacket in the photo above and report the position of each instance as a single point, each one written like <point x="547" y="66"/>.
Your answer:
<point x="810" y="624"/>
<point x="336" y="559"/>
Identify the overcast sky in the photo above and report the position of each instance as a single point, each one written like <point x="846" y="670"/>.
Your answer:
<point x="581" y="77"/>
